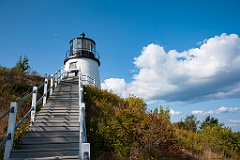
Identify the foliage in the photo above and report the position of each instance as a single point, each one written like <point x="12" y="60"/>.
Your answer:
<point x="23" y="64"/>
<point x="14" y="85"/>
<point x="121" y="129"/>
<point x="189" y="123"/>
<point x="212" y="141"/>
<point x="209" y="121"/>
<point x="34" y="73"/>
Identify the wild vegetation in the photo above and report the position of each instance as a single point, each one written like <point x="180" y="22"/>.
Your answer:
<point x="123" y="129"/>
<point x="120" y="128"/>
<point x="211" y="141"/>
<point x="16" y="83"/>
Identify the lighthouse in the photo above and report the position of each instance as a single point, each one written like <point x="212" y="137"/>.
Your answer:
<point x="82" y="58"/>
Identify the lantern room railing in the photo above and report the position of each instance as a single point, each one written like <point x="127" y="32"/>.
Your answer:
<point x="80" y="52"/>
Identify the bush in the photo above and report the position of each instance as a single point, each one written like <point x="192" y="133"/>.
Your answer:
<point x="121" y="129"/>
<point x="212" y="141"/>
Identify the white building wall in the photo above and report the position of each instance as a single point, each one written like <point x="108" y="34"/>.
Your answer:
<point x="87" y="66"/>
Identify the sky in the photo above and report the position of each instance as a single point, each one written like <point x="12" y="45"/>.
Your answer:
<point x="183" y="55"/>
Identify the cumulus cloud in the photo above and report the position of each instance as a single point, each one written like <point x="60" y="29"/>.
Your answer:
<point x="118" y="86"/>
<point x="197" y="112"/>
<point x="175" y="113"/>
<point x="220" y="110"/>
<point x="209" y="72"/>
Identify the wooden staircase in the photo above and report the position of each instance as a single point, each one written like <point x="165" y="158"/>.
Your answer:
<point x="55" y="133"/>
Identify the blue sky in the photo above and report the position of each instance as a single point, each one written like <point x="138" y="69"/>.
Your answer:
<point x="180" y="54"/>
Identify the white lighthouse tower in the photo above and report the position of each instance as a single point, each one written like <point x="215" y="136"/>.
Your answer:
<point x="84" y="58"/>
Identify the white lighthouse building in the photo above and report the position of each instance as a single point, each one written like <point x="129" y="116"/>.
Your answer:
<point x="83" y="58"/>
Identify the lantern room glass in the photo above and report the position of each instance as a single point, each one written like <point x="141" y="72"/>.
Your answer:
<point x="82" y="44"/>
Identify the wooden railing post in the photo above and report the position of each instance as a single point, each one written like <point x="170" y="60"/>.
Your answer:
<point x="34" y="105"/>
<point x="51" y="85"/>
<point x="80" y="89"/>
<point x="11" y="129"/>
<point x="59" y="75"/>
<point x="82" y="131"/>
<point x="61" y="72"/>
<point x="84" y="148"/>
<point x="86" y="151"/>
<point x="56" y="80"/>
<point x="45" y="91"/>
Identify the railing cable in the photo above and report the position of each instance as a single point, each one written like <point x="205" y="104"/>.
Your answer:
<point x="6" y="113"/>
<point x="26" y="115"/>
<point x="26" y="97"/>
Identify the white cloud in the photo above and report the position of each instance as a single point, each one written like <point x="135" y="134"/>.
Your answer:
<point x="175" y="113"/>
<point x="223" y="109"/>
<point x="197" y="112"/>
<point x="116" y="85"/>
<point x="209" y="72"/>
<point x="235" y="120"/>
<point x="220" y="110"/>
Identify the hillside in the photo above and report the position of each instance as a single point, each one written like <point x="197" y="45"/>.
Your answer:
<point x="14" y="85"/>
<point x="120" y="128"/>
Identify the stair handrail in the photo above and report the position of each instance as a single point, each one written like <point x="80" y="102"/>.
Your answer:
<point x="84" y="147"/>
<point x="85" y="79"/>
<point x="12" y="111"/>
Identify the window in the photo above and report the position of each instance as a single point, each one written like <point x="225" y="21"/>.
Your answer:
<point x="73" y="66"/>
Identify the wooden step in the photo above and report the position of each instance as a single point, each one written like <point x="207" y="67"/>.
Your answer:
<point x="55" y="133"/>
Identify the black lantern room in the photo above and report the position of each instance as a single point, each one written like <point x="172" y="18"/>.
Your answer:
<point x="82" y="47"/>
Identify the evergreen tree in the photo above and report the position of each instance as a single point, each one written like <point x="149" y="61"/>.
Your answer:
<point x="189" y="123"/>
<point x="23" y="64"/>
<point x="209" y="121"/>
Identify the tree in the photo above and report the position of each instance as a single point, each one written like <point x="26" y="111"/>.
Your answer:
<point x="211" y="121"/>
<point x="189" y="123"/>
<point x="34" y="73"/>
<point x="22" y="64"/>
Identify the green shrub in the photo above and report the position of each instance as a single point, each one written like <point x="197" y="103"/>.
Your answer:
<point x="121" y="128"/>
<point x="212" y="141"/>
